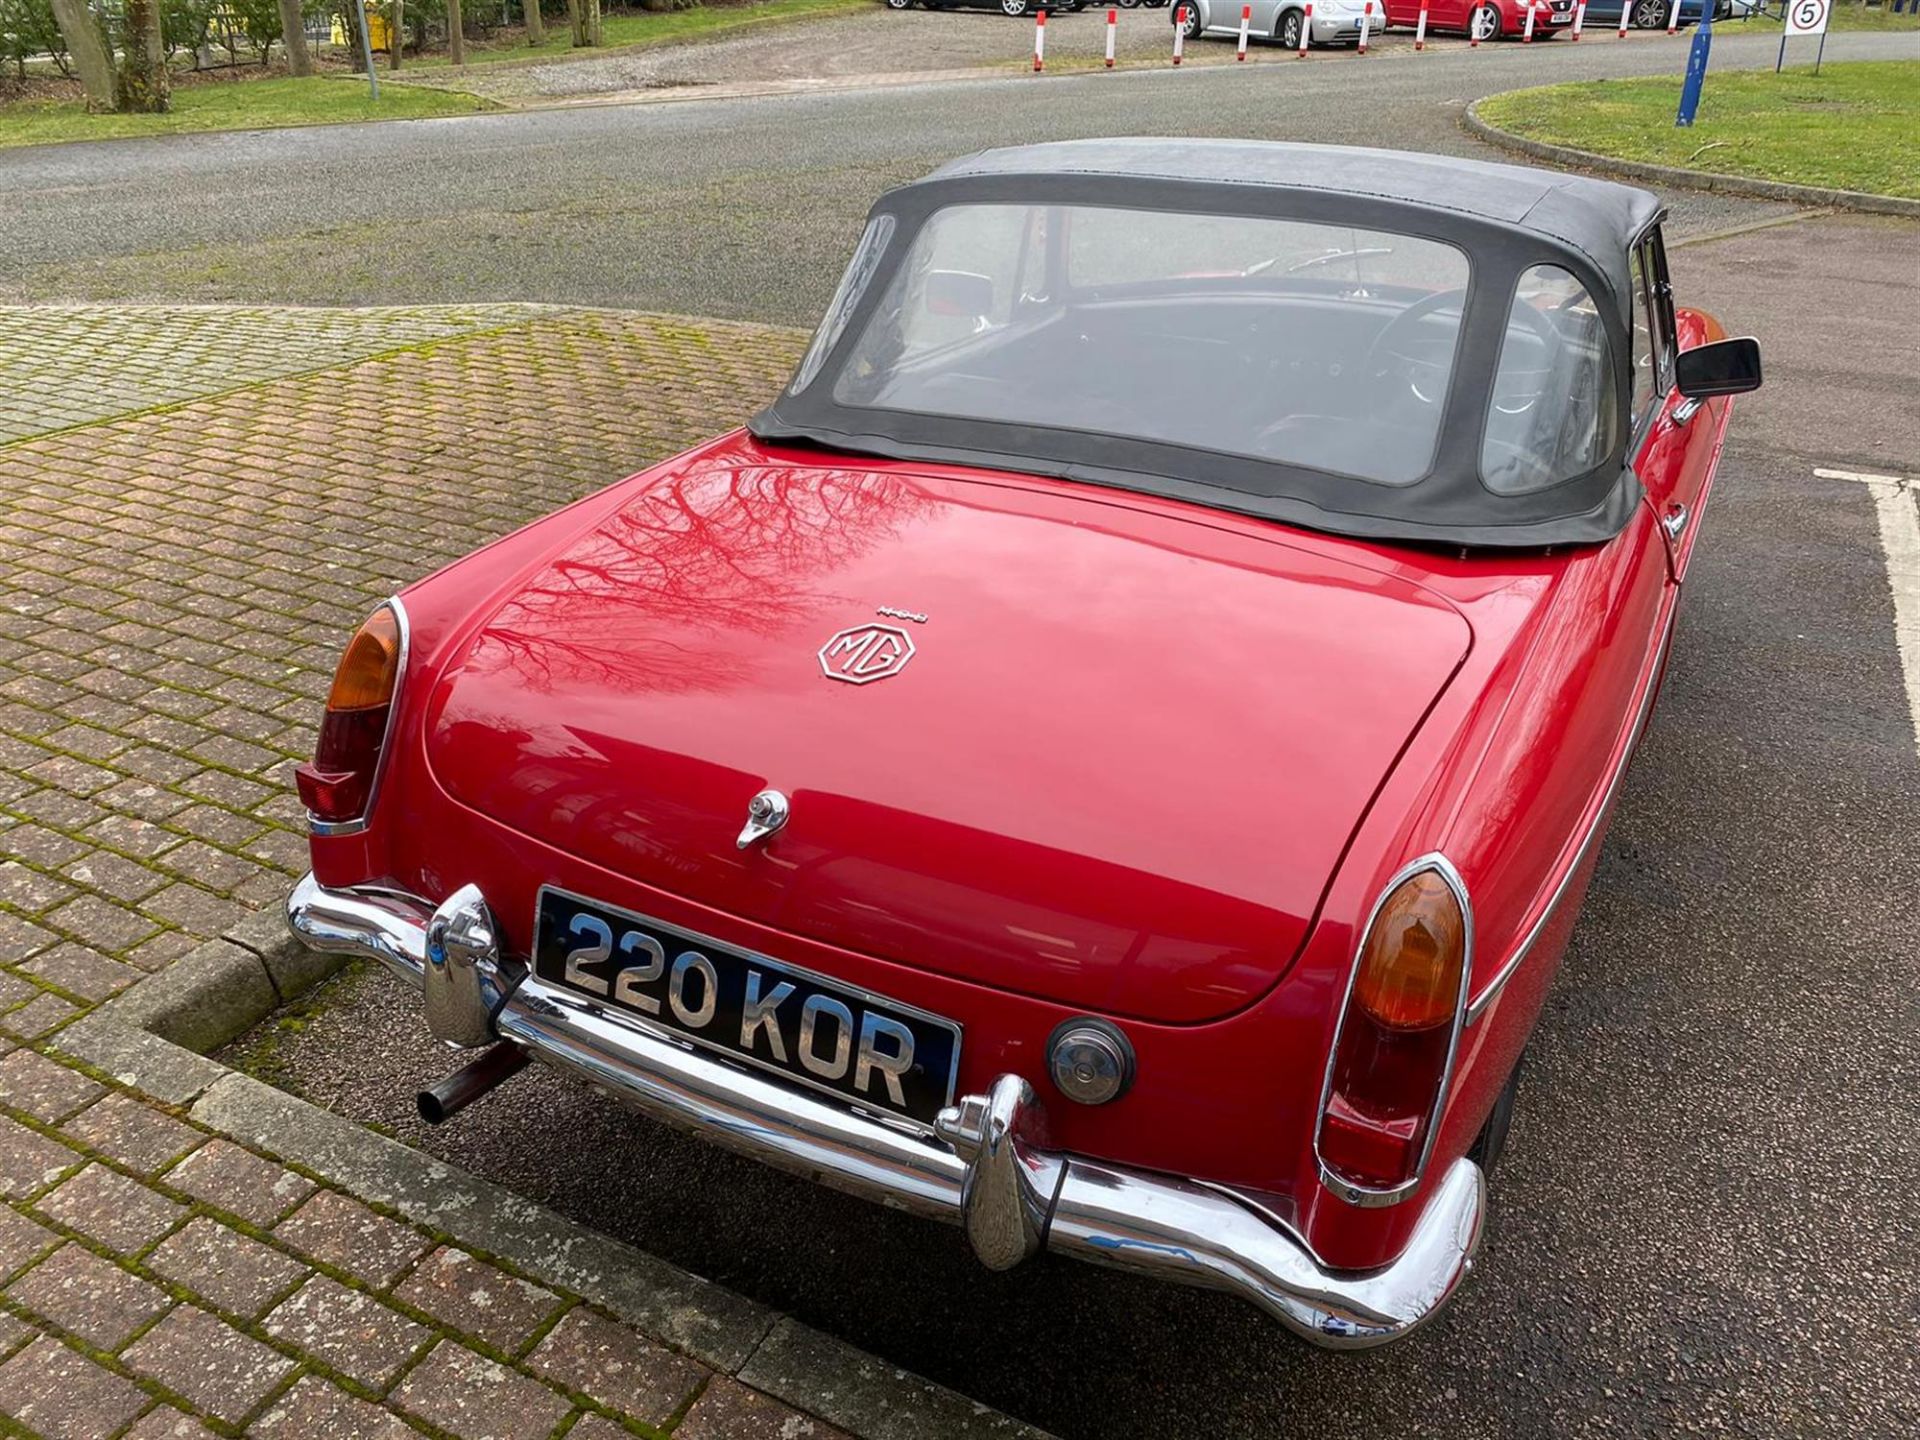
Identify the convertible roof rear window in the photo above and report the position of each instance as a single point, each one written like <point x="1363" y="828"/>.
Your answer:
<point x="1270" y="338"/>
<point x="1311" y="334"/>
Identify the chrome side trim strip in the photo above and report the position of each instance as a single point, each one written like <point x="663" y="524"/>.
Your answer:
<point x="1015" y="1194"/>
<point x="1493" y="987"/>
<point x="1362" y="1195"/>
<point x="356" y="826"/>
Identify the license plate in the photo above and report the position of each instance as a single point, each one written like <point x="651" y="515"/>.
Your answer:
<point x="859" y="1047"/>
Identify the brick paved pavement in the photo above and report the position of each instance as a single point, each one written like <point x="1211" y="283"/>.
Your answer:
<point x="66" y="365"/>
<point x="174" y="587"/>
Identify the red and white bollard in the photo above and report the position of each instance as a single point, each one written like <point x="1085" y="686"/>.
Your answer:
<point x="1473" y="31"/>
<point x="1246" y="19"/>
<point x="1526" y="34"/>
<point x="1579" y="17"/>
<point x="1623" y="21"/>
<point x="1366" y="24"/>
<point x="1039" y="41"/>
<point x="1179" y="33"/>
<point x="1113" y="20"/>
<point x="1673" y="16"/>
<point x="1306" y="29"/>
<point x="1420" y="30"/>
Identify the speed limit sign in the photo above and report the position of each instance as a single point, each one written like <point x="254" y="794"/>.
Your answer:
<point x="1808" y="17"/>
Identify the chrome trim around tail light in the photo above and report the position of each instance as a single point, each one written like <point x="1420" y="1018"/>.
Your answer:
<point x="325" y="828"/>
<point x="991" y="1171"/>
<point x="1367" y="1196"/>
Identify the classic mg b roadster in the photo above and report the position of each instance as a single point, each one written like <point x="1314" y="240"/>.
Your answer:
<point x="1112" y="754"/>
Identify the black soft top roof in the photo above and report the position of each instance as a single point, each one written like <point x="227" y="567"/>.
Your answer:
<point x="1505" y="217"/>
<point x="1513" y="193"/>
<point x="1597" y="217"/>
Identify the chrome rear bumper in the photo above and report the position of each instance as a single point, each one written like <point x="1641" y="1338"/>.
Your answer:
<point x="988" y="1170"/>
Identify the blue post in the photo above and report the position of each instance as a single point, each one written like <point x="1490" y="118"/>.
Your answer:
<point x="1696" y="67"/>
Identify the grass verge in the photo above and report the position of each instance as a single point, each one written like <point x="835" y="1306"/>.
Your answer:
<point x="252" y="105"/>
<point x="1847" y="15"/>
<point x="1851" y="127"/>
<point x="638" y="32"/>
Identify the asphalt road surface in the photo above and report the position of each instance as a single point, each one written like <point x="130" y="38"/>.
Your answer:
<point x="741" y="209"/>
<point x="1706" y="1221"/>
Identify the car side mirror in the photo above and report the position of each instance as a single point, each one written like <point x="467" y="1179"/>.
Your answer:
<point x="1726" y="367"/>
<point x="959" y="293"/>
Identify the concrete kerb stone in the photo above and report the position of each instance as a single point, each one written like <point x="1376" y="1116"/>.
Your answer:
<point x="814" y="1372"/>
<point x="713" y="1325"/>
<point x="207" y="997"/>
<point x="1645" y="174"/>
<point x="150" y="1037"/>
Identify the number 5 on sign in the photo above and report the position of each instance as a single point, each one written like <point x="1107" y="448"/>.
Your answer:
<point x="1805" y="17"/>
<point x="1808" y="17"/>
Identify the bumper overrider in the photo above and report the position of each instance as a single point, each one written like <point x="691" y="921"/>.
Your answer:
<point x="989" y="1169"/>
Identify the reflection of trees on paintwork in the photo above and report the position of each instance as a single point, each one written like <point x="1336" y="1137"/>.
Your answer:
<point x="638" y="602"/>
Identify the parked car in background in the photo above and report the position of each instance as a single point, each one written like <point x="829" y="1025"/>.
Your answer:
<point x="1486" y="19"/>
<point x="1136" y="821"/>
<point x="1652" y="14"/>
<point x="1335" y="22"/>
<point x="1005" y="7"/>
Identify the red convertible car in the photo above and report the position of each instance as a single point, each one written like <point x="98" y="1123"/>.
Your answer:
<point x="1136" y="819"/>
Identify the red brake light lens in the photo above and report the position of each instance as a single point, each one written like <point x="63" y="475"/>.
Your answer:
<point x="1396" y="1038"/>
<point x="337" y="784"/>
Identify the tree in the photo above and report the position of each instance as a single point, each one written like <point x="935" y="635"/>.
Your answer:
<point x="456" y="34"/>
<point x="89" y="51"/>
<point x="143" y="83"/>
<point x="185" y="26"/>
<point x="28" y="31"/>
<point x="585" y="15"/>
<point x="536" y="24"/>
<point x="293" y="34"/>
<point x="396" y="34"/>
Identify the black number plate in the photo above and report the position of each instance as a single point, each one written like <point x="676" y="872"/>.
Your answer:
<point x="859" y="1047"/>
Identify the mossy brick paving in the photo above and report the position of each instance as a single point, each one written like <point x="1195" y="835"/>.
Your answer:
<point x="196" y="505"/>
<point x="175" y="582"/>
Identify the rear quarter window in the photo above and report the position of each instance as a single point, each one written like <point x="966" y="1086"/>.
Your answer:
<point x="1554" y="413"/>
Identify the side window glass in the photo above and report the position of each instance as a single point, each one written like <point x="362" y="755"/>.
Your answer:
<point x="1554" y="412"/>
<point x="1646" y="331"/>
<point x="1663" y="323"/>
<point x="853" y="284"/>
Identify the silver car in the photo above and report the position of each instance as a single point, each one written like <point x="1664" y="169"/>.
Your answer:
<point x="1334" y="21"/>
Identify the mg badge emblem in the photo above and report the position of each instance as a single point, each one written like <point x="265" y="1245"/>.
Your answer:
<point x="866" y="653"/>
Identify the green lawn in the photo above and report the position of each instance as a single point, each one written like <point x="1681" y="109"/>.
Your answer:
<point x="633" y="32"/>
<point x="240" y="105"/>
<point x="1853" y="126"/>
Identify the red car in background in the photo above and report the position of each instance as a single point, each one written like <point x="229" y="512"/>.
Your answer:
<point x="1485" y="19"/>
<point x="1138" y="822"/>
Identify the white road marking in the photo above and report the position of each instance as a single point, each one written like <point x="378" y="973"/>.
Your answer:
<point x="1862" y="476"/>
<point x="1895" y="500"/>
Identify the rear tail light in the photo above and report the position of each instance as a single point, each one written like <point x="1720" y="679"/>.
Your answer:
<point x="1393" y="1051"/>
<point x="337" y="786"/>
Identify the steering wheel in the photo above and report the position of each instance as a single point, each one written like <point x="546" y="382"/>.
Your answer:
<point x="1425" y="360"/>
